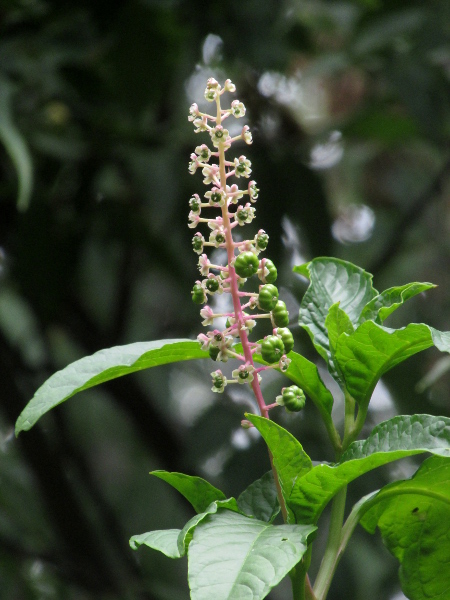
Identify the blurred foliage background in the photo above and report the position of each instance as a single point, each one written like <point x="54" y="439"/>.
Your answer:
<point x="349" y="106"/>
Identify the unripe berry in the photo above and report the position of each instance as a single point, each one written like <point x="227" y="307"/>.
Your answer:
<point x="292" y="398"/>
<point x="287" y="337"/>
<point x="267" y="271"/>
<point x="272" y="349"/>
<point x="246" y="264"/>
<point x="280" y="314"/>
<point x="268" y="297"/>
<point x="198" y="294"/>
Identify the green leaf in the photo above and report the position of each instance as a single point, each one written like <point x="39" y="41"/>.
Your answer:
<point x="233" y="557"/>
<point x="380" y="307"/>
<point x="103" y="366"/>
<point x="372" y="350"/>
<point x="260" y="499"/>
<point x="164" y="540"/>
<point x="413" y="517"/>
<point x="289" y="458"/>
<point x="394" y="439"/>
<point x="332" y="281"/>
<point x="196" y="490"/>
<point x="336" y="323"/>
<point x="16" y="146"/>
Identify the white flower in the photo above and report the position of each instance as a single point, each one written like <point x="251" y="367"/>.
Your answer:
<point x="284" y="363"/>
<point x="197" y="242"/>
<point x="218" y="135"/>
<point x="204" y="341"/>
<point x="237" y="109"/>
<point x="219" y="381"/>
<point x="242" y="167"/>
<point x="203" y="152"/>
<point x="217" y="237"/>
<point x="193" y="112"/>
<point x="193" y="220"/>
<point x="209" y="173"/>
<point x="234" y="193"/>
<point x="244" y="374"/>
<point x="193" y="165"/>
<point x="253" y="191"/>
<point x="244" y="214"/>
<point x="216" y="197"/>
<point x="246" y="135"/>
<point x="207" y="314"/>
<point x="212" y="89"/>
<point x="201" y="124"/>
<point x="203" y="265"/>
<point x="216" y="223"/>
<point x="229" y="86"/>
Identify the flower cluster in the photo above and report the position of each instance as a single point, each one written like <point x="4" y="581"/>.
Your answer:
<point x="235" y="206"/>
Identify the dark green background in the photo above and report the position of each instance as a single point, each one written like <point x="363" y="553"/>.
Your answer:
<point x="96" y="94"/>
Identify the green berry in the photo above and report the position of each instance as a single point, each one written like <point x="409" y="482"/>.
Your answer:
<point x="198" y="294"/>
<point x="293" y="398"/>
<point x="197" y="243"/>
<point x="213" y="352"/>
<point x="268" y="297"/>
<point x="287" y="337"/>
<point x="246" y="264"/>
<point x="212" y="285"/>
<point x="272" y="274"/>
<point x="194" y="205"/>
<point x="261" y="240"/>
<point x="280" y="314"/>
<point x="272" y="349"/>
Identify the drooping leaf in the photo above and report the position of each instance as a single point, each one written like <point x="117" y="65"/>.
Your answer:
<point x="372" y="350"/>
<point x="289" y="458"/>
<point x="260" y="499"/>
<point x="394" y="439"/>
<point x="413" y="517"/>
<point x="380" y="307"/>
<point x="199" y="492"/>
<point x="103" y="366"/>
<point x="174" y="543"/>
<point x="331" y="281"/>
<point x="164" y="540"/>
<point x="233" y="557"/>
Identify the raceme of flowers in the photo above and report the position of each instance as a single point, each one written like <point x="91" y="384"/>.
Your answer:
<point x="225" y="206"/>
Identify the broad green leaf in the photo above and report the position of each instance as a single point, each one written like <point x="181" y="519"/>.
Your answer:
<point x="232" y="557"/>
<point x="394" y="439"/>
<point x="413" y="517"/>
<point x="336" y="323"/>
<point x="185" y="535"/>
<point x="380" y="307"/>
<point x="372" y="350"/>
<point x="332" y="281"/>
<point x="174" y="543"/>
<point x="16" y="146"/>
<point x="103" y="366"/>
<point x="164" y="540"/>
<point x="260" y="499"/>
<point x="196" y="490"/>
<point x="289" y="458"/>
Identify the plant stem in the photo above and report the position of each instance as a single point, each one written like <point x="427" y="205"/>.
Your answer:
<point x="329" y="563"/>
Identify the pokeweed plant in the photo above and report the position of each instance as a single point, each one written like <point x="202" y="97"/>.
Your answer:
<point x="237" y="548"/>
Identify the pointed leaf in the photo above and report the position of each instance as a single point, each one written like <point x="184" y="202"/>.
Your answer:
<point x="394" y="439"/>
<point x="332" y="280"/>
<point x="372" y="350"/>
<point x="164" y="541"/>
<point x="232" y="557"/>
<point x="260" y="499"/>
<point x="414" y="520"/>
<point x="103" y="366"/>
<point x="289" y="458"/>
<point x="380" y="307"/>
<point x="199" y="492"/>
